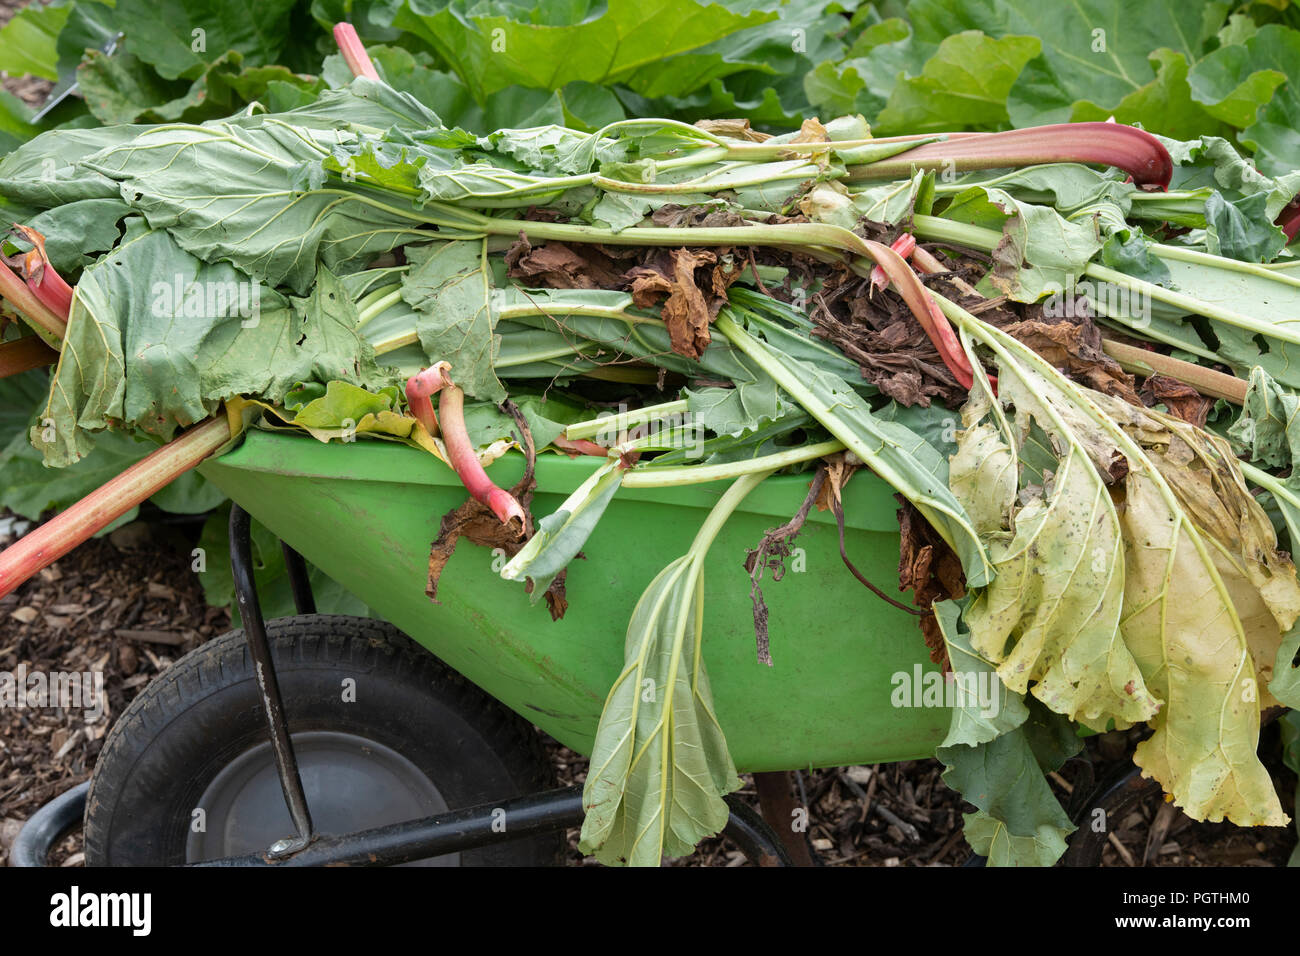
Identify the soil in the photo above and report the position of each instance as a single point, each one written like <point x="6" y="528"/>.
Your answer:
<point x="128" y="606"/>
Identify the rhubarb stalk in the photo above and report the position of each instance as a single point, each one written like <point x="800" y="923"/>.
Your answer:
<point x="904" y="245"/>
<point x="42" y="278"/>
<point x="23" y="354"/>
<point x="40" y="315"/>
<point x="460" y="450"/>
<point x="1135" y="151"/>
<point x="106" y="504"/>
<point x="354" y="52"/>
<point x="420" y="389"/>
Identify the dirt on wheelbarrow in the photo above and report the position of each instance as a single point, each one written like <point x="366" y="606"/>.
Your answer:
<point x="128" y="605"/>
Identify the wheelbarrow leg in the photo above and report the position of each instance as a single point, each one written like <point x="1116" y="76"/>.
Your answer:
<point x="286" y="764"/>
<point x="776" y="800"/>
<point x="303" y="600"/>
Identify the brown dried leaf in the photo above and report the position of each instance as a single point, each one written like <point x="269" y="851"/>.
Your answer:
<point x="695" y="283"/>
<point x="932" y="571"/>
<point x="1181" y="399"/>
<point x="733" y="128"/>
<point x="560" y="266"/>
<point x="1075" y="349"/>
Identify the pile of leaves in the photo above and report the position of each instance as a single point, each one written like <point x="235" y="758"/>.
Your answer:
<point x="1104" y="561"/>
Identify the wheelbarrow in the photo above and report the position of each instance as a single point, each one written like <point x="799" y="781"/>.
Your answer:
<point x="320" y="739"/>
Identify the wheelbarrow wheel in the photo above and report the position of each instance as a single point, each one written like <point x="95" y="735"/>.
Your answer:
<point x="383" y="732"/>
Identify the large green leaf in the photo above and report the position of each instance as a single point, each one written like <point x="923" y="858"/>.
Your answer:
<point x="157" y="339"/>
<point x="124" y="89"/>
<point x="963" y="85"/>
<point x="180" y="37"/>
<point x="452" y="291"/>
<point x="1051" y="616"/>
<point x="494" y="45"/>
<point x="1041" y="251"/>
<point x="1099" y="57"/>
<point x="1206" y="596"/>
<point x="1274" y="54"/>
<point x="253" y="196"/>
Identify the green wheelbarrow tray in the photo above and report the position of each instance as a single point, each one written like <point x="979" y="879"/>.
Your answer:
<point x="365" y="512"/>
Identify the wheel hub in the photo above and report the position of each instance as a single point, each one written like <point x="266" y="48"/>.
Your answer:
<point x="351" y="783"/>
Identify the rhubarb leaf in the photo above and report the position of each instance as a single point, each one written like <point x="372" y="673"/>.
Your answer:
<point x="1181" y="585"/>
<point x="452" y="291"/>
<point x="1268" y="429"/>
<point x="28" y="41"/>
<point x="560" y="535"/>
<point x="985" y="708"/>
<point x="1004" y="780"/>
<point x="188" y="328"/>
<point x="1040" y="251"/>
<point x="1051" y="616"/>
<point x="179" y="38"/>
<point x="992" y="839"/>
<point x="1272" y="53"/>
<point x="963" y="85"/>
<point x="495" y="45"/>
<point x="1099" y="57"/>
<point x="263" y="212"/>
<point x="1200" y="468"/>
<point x="660" y="765"/>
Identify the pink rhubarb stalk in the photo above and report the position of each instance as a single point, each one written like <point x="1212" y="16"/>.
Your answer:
<point x="106" y="504"/>
<point x="577" y="447"/>
<point x="904" y="246"/>
<point x="354" y="51"/>
<point x="1136" y="152"/>
<point x="1289" y="219"/>
<point x="15" y="290"/>
<point x="42" y="278"/>
<point x="926" y="310"/>
<point x="455" y="437"/>
<point x="23" y="354"/>
<point x="420" y="389"/>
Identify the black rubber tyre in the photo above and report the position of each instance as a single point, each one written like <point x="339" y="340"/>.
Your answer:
<point x="203" y="714"/>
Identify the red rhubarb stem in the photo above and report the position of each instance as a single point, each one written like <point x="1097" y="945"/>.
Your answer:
<point x="451" y="415"/>
<point x="1289" y="219"/>
<point x="106" y="504"/>
<point x="578" y="447"/>
<point x="42" y="278"/>
<point x="904" y="245"/>
<point x="420" y="389"/>
<point x="1135" y="151"/>
<point x="354" y="51"/>
<point x="40" y="315"/>
<point x="24" y="354"/>
<point x="926" y="310"/>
